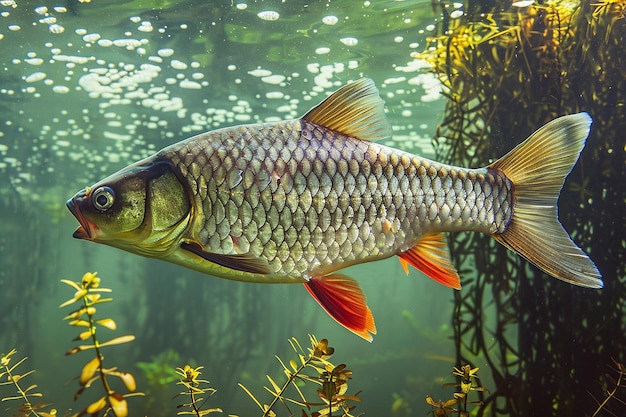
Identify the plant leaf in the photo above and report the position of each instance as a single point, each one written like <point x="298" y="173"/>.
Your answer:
<point x="118" y="340"/>
<point x="19" y="397"/>
<point x="79" y="393"/>
<point x="33" y="386"/>
<point x="209" y="411"/>
<point x="74" y="350"/>
<point x="75" y="314"/>
<point x="251" y="396"/>
<point x="127" y="378"/>
<point x="89" y="370"/>
<point x="118" y="404"/>
<point x="72" y="284"/>
<point x="274" y="385"/>
<point x="108" y="323"/>
<point x="79" y="294"/>
<point x="96" y="406"/>
<point x="83" y="323"/>
<point x="83" y="336"/>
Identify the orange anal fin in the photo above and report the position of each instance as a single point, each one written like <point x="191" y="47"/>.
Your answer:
<point x="344" y="301"/>
<point x="431" y="256"/>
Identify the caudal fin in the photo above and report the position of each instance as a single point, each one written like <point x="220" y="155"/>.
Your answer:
<point x="538" y="167"/>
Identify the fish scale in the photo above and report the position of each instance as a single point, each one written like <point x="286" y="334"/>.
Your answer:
<point x="311" y="201"/>
<point x="296" y="201"/>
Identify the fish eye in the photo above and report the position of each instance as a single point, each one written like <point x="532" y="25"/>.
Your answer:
<point x="103" y="198"/>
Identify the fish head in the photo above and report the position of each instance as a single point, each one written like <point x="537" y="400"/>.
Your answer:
<point x="144" y="208"/>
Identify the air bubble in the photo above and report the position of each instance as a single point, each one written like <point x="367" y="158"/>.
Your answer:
<point x="165" y="52"/>
<point x="56" y="29"/>
<point x="268" y="15"/>
<point x="349" y="41"/>
<point x="330" y="20"/>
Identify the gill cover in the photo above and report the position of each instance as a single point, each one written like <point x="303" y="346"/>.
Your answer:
<point x="143" y="209"/>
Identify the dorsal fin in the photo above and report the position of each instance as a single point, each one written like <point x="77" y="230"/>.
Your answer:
<point x="356" y="110"/>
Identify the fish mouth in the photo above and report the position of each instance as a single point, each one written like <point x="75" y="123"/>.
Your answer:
<point x="86" y="230"/>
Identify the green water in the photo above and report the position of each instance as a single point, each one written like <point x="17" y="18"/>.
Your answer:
<point x="123" y="79"/>
<point x="88" y="88"/>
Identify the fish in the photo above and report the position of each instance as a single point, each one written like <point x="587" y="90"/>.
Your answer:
<point x="299" y="200"/>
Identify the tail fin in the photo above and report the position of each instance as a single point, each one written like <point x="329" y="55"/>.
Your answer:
<point x="538" y="167"/>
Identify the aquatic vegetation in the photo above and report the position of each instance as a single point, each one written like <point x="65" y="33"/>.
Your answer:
<point x="442" y="408"/>
<point x="88" y="295"/>
<point x="466" y="379"/>
<point x="9" y="377"/>
<point x="332" y="381"/>
<point x="180" y="329"/>
<point x="615" y="390"/>
<point x="157" y="377"/>
<point x="505" y="71"/>
<point x="161" y="370"/>
<point x="189" y="379"/>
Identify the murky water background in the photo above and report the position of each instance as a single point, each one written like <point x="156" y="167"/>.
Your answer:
<point x="88" y="87"/>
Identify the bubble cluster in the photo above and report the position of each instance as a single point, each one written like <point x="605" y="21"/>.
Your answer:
<point x="97" y="96"/>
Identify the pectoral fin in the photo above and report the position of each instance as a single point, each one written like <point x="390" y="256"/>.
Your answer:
<point x="431" y="256"/>
<point x="344" y="301"/>
<point x="241" y="262"/>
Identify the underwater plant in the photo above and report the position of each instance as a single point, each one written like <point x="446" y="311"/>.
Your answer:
<point x="466" y="376"/>
<point x="158" y="376"/>
<point x="332" y="381"/>
<point x="506" y="70"/>
<point x="189" y="378"/>
<point x="88" y="295"/>
<point x="26" y="408"/>
<point x="616" y="392"/>
<point x="224" y="332"/>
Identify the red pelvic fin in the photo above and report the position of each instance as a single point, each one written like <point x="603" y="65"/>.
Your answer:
<point x="344" y="301"/>
<point x="431" y="256"/>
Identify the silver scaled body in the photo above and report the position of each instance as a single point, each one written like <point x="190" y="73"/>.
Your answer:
<point x="310" y="201"/>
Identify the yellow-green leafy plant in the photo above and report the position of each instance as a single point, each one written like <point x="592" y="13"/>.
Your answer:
<point x="331" y="381"/>
<point x="189" y="378"/>
<point x="88" y="295"/>
<point x="467" y="381"/>
<point x="9" y="376"/>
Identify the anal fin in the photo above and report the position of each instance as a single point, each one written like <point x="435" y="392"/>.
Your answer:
<point x="344" y="301"/>
<point x="431" y="256"/>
